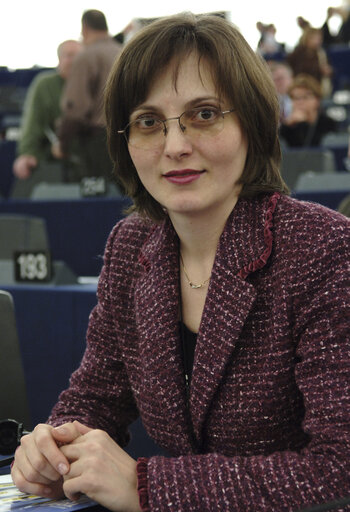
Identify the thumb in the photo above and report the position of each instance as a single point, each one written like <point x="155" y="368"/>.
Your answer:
<point x="82" y="429"/>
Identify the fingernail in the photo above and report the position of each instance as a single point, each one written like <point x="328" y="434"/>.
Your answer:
<point x="61" y="430"/>
<point x="62" y="468"/>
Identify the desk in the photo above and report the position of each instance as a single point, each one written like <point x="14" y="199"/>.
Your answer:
<point x="52" y="323"/>
<point x="77" y="230"/>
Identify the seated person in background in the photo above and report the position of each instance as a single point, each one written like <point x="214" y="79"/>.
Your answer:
<point x="282" y="76"/>
<point x="306" y="124"/>
<point x="308" y="57"/>
<point x="41" y="111"/>
<point x="223" y="304"/>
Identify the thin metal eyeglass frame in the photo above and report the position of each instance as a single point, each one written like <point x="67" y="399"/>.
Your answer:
<point x="164" y="121"/>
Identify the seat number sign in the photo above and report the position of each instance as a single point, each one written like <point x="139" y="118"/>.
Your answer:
<point x="32" y="266"/>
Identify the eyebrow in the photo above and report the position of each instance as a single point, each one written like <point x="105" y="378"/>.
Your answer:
<point x="190" y="104"/>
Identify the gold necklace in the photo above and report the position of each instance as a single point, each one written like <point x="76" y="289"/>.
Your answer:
<point x="192" y="285"/>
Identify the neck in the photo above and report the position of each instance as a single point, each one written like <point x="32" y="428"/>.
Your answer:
<point x="312" y="116"/>
<point x="199" y="236"/>
<point x="93" y="36"/>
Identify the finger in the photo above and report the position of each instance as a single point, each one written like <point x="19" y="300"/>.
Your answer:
<point x="42" y="450"/>
<point x="72" y="452"/>
<point x="55" y="490"/>
<point x="29" y="471"/>
<point x="32" y="461"/>
<point x="65" y="433"/>
<point x="72" y="488"/>
<point x="82" y="429"/>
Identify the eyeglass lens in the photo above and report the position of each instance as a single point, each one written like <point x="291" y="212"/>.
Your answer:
<point x="149" y="132"/>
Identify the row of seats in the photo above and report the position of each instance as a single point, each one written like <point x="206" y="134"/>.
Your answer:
<point x="13" y="90"/>
<point x="297" y="162"/>
<point x="330" y="158"/>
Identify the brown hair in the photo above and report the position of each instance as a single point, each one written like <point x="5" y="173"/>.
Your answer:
<point x="308" y="33"/>
<point x="308" y="82"/>
<point x="239" y="75"/>
<point x="95" y="20"/>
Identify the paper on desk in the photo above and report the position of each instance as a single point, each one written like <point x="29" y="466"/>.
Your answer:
<point x="13" y="499"/>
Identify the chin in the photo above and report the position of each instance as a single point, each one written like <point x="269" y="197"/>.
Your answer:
<point x="186" y="209"/>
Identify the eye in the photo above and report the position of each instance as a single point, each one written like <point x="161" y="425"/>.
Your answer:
<point x="147" y="123"/>
<point x="204" y="114"/>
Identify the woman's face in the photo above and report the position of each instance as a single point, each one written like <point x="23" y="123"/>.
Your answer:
<point x="304" y="100"/>
<point x="190" y="175"/>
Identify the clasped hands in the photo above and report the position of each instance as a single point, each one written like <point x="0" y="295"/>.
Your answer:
<point x="74" y="459"/>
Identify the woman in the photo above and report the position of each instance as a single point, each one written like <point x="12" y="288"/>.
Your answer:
<point x="306" y="124"/>
<point x="217" y="265"/>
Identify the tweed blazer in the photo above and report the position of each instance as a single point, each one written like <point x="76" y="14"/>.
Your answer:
<point x="269" y="399"/>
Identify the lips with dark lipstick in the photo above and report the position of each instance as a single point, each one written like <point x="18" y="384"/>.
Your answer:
<point x="183" y="176"/>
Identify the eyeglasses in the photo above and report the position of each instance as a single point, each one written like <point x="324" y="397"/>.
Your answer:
<point x="307" y="96"/>
<point x="149" y="131"/>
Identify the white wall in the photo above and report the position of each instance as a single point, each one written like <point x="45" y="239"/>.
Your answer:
<point x="31" y="31"/>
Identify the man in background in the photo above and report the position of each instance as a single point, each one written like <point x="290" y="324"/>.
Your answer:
<point x="40" y="114"/>
<point x="82" y="126"/>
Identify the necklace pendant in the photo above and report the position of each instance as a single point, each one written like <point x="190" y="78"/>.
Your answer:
<point x="195" y="286"/>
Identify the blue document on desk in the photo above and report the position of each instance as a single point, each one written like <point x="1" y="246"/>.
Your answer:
<point x="11" y="499"/>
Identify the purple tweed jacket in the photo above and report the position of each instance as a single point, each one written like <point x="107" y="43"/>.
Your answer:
<point x="270" y="396"/>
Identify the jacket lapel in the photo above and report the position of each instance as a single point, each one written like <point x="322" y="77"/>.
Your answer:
<point x="222" y="323"/>
<point x="244" y="246"/>
<point x="157" y="310"/>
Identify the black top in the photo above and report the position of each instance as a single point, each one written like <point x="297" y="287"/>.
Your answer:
<point x="188" y="342"/>
<point x="305" y="134"/>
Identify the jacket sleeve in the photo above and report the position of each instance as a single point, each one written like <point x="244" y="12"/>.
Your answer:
<point x="99" y="394"/>
<point x="287" y="480"/>
<point x="38" y="115"/>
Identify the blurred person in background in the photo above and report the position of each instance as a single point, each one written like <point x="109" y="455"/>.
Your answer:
<point x="82" y="125"/>
<point x="268" y="45"/>
<point x="282" y="76"/>
<point x="40" y="115"/>
<point x="308" y="57"/>
<point x="307" y="123"/>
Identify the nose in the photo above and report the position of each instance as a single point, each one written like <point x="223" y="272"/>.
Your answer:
<point x="176" y="142"/>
